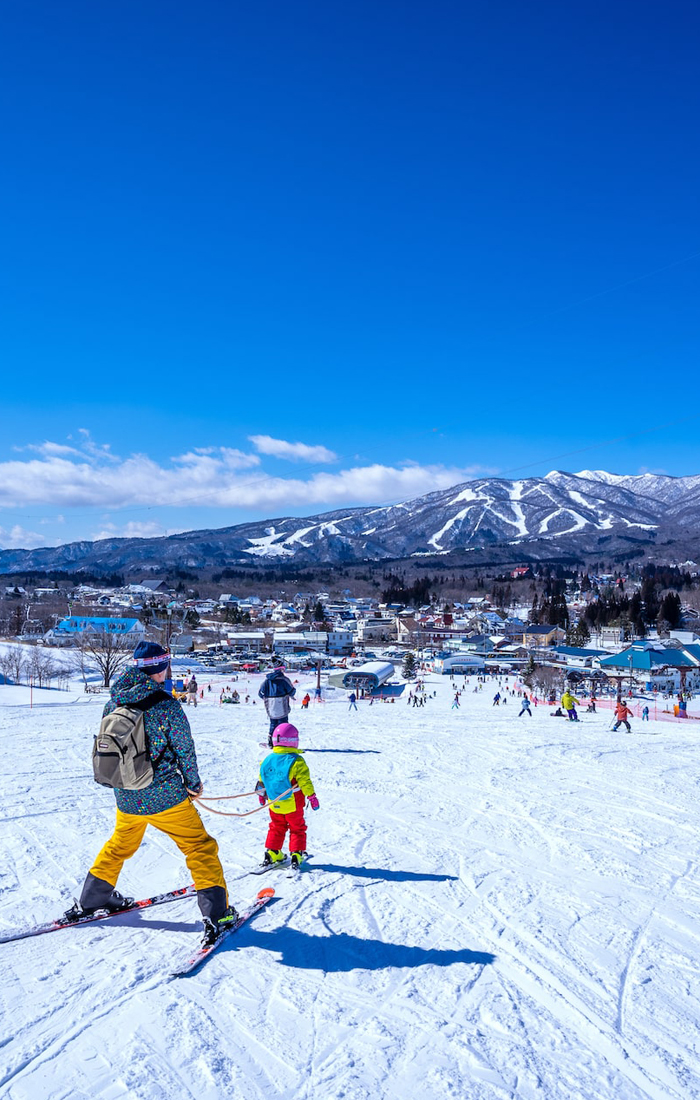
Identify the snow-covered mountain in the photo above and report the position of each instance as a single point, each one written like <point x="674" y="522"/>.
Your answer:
<point x="587" y="512"/>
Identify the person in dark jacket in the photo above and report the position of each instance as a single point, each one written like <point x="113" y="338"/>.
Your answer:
<point x="165" y="803"/>
<point x="277" y="693"/>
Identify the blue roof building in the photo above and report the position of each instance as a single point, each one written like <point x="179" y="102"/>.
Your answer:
<point x="645" y="657"/>
<point x="76" y="626"/>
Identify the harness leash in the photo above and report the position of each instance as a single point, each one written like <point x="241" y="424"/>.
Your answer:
<point x="201" y="800"/>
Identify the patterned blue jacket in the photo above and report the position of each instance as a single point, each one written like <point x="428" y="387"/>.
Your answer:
<point x="170" y="744"/>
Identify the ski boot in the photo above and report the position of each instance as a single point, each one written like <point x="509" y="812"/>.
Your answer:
<point x="297" y="859"/>
<point x="115" y="902"/>
<point x="214" y="928"/>
<point x="272" y="856"/>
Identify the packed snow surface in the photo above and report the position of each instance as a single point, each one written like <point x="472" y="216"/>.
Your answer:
<point x="496" y="907"/>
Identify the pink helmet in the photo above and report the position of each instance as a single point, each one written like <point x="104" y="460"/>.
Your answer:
<point x="286" y="735"/>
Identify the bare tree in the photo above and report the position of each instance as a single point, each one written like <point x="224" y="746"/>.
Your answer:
<point x="547" y="679"/>
<point x="42" y="668"/>
<point x="13" y="663"/>
<point x="104" y="653"/>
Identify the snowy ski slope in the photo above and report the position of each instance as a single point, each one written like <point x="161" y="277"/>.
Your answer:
<point x="496" y="908"/>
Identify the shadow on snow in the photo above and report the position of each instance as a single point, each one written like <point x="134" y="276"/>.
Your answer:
<point x="341" y="953"/>
<point x="383" y="873"/>
<point x="376" y="752"/>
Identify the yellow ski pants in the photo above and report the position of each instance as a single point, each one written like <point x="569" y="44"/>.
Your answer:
<point x="182" y="824"/>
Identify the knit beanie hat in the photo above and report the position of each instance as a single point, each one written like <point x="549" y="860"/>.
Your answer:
<point x="286" y="736"/>
<point x="151" y="657"/>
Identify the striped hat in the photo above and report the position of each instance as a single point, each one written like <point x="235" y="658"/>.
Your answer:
<point x="151" y="657"/>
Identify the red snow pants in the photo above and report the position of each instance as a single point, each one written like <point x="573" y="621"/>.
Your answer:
<point x="279" y="823"/>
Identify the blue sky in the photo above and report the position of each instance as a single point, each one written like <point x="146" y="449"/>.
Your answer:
<point x="282" y="258"/>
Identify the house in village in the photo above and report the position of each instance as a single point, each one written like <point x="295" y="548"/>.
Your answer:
<point x="72" y="629"/>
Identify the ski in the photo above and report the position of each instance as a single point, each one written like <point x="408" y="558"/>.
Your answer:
<point x="298" y="869"/>
<point x="99" y="914"/>
<point x="263" y="868"/>
<point x="205" y="950"/>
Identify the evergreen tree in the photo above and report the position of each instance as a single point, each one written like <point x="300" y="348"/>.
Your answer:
<point x="408" y="669"/>
<point x="670" y="609"/>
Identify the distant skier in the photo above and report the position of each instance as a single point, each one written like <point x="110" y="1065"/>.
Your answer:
<point x="525" y="709"/>
<point x="282" y="769"/>
<point x="305" y="702"/>
<point x="455" y="701"/>
<point x="496" y="699"/>
<point x="645" y="714"/>
<point x="569" y="703"/>
<point x="276" y="691"/>
<point x="623" y="715"/>
<point x="353" y="701"/>
<point x="192" y="691"/>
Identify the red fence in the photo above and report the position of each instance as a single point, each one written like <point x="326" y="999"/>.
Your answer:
<point x="661" y="710"/>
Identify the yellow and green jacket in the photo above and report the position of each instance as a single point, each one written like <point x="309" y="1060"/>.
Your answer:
<point x="281" y="769"/>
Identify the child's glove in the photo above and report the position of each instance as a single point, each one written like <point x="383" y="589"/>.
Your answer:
<point x="262" y="800"/>
<point x="313" y="802"/>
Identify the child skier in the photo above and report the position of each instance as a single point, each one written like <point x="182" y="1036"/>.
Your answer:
<point x="622" y="715"/>
<point x="283" y="768"/>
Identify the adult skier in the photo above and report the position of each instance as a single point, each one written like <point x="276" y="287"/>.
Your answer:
<point x="165" y="803"/>
<point x="277" y="693"/>
<point x="525" y="707"/>
<point x="192" y="691"/>
<point x="569" y="702"/>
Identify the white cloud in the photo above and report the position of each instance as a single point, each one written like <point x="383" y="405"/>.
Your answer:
<point x="133" y="530"/>
<point x="212" y="477"/>
<point x="294" y="452"/>
<point x="48" y="448"/>
<point x="16" y="538"/>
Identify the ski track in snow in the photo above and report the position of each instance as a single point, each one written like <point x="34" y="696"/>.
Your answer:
<point x="495" y="908"/>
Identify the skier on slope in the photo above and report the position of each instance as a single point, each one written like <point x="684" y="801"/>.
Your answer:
<point x="569" y="704"/>
<point x="622" y="715"/>
<point x="282" y="769"/>
<point x="277" y="692"/>
<point x="165" y="803"/>
<point x="525" y="708"/>
<point x="192" y="692"/>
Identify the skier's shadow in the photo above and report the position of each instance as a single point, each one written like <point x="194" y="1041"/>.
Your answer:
<point x="383" y="873"/>
<point x="342" y="953"/>
<point x="138" y="920"/>
<point x="376" y="752"/>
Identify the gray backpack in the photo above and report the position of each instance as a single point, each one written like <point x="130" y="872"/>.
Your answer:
<point x="120" y="756"/>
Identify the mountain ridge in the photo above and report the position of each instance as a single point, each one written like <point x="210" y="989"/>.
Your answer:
<point x="571" y="513"/>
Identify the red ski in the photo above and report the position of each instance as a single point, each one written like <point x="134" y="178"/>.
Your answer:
<point x="204" y="951"/>
<point x="99" y="914"/>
